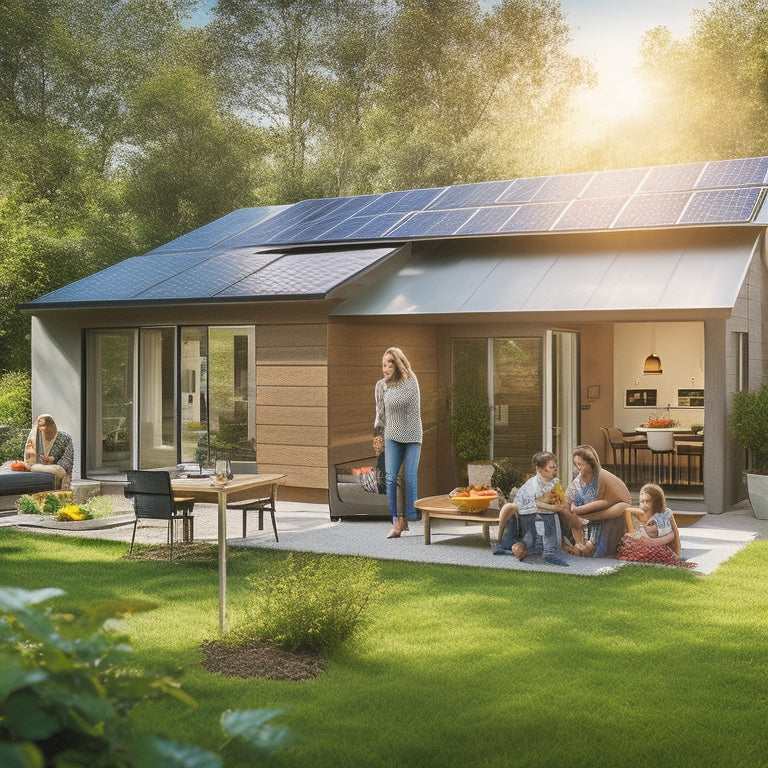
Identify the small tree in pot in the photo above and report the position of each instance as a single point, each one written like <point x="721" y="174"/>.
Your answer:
<point x="749" y="421"/>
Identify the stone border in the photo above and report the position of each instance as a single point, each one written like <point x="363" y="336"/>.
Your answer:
<point x="44" y="521"/>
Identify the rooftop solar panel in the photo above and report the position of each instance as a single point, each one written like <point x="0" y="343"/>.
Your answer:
<point x="534" y="217"/>
<point x="562" y="187"/>
<point x="471" y="195"/>
<point x="487" y="221"/>
<point x="305" y="274"/>
<point x="615" y="183"/>
<point x="721" y="206"/>
<point x="662" y="209"/>
<point x="672" y="178"/>
<point x="209" y="277"/>
<point x="590" y="214"/>
<point x="431" y="223"/>
<point x="734" y="173"/>
<point x="522" y="190"/>
<point x="227" y="226"/>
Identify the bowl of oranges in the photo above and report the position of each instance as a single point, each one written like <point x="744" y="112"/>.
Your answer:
<point x="472" y="498"/>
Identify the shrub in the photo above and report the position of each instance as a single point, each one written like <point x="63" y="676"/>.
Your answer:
<point x="506" y="477"/>
<point x="314" y="605"/>
<point x="15" y="414"/>
<point x="66" y="688"/>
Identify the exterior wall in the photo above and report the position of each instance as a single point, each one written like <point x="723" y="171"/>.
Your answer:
<point x="354" y="362"/>
<point x="291" y="377"/>
<point x="750" y="315"/>
<point x="57" y="378"/>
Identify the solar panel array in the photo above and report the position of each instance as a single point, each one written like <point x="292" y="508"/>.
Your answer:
<point x="718" y="192"/>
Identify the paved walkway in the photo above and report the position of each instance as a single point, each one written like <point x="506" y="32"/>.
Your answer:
<point x="308" y="527"/>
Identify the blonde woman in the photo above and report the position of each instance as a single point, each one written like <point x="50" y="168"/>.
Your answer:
<point x="398" y="432"/>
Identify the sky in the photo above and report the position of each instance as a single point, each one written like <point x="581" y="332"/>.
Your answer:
<point x="608" y="32"/>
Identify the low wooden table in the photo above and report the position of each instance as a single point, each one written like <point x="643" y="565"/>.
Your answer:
<point x="441" y="507"/>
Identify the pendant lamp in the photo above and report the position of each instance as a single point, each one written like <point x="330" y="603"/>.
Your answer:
<point x="653" y="361"/>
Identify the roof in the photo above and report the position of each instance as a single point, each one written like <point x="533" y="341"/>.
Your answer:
<point x="684" y="275"/>
<point x="305" y="250"/>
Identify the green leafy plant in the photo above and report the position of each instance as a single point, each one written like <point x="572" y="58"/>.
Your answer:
<point x="15" y="413"/>
<point x="506" y="477"/>
<point x="27" y="505"/>
<point x="749" y="421"/>
<point x="315" y="604"/>
<point x="67" y="686"/>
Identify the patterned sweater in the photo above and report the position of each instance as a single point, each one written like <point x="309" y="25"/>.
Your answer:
<point x="398" y="411"/>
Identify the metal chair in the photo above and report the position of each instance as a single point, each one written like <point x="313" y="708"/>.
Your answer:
<point x="260" y="505"/>
<point x="152" y="496"/>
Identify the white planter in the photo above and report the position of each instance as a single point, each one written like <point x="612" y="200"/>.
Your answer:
<point x="480" y="474"/>
<point x="757" y="488"/>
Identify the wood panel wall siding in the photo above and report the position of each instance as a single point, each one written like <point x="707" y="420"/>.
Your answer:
<point x="292" y="402"/>
<point x="354" y="362"/>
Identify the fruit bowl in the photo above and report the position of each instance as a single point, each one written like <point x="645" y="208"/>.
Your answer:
<point x="468" y="500"/>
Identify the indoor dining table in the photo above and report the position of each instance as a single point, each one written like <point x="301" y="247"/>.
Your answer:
<point x="207" y="491"/>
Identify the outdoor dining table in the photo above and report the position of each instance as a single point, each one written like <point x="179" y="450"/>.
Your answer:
<point x="207" y="491"/>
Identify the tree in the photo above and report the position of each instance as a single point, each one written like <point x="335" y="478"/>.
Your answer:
<point x="469" y="88"/>
<point x="189" y="164"/>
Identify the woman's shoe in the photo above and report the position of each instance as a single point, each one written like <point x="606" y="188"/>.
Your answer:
<point x="400" y="525"/>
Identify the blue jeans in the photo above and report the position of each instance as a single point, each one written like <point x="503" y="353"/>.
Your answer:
<point x="404" y="455"/>
<point x="549" y="539"/>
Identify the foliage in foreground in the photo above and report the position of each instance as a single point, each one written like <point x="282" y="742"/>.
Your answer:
<point x="65" y="689"/>
<point x="314" y="604"/>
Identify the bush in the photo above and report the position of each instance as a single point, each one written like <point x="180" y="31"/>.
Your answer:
<point x="506" y="477"/>
<point x="66" y="689"/>
<point x="15" y="414"/>
<point x="314" y="605"/>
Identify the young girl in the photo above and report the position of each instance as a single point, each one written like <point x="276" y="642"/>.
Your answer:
<point x="656" y="539"/>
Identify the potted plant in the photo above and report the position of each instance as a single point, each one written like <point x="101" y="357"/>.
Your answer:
<point x="749" y="421"/>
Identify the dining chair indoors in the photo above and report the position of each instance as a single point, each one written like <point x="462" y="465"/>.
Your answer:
<point x="261" y="504"/>
<point x="152" y="497"/>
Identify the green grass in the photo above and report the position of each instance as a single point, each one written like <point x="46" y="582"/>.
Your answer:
<point x="462" y="666"/>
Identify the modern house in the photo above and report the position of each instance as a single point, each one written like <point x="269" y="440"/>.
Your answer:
<point x="261" y="334"/>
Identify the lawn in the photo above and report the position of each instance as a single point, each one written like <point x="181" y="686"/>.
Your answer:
<point x="462" y="666"/>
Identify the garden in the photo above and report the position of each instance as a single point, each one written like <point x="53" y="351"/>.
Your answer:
<point x="447" y="665"/>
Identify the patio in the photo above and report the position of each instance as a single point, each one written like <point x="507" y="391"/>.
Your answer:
<point x="308" y="528"/>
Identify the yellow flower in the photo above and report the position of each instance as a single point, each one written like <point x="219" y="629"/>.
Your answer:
<point x="71" y="512"/>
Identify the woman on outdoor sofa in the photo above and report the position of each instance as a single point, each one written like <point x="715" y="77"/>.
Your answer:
<point x="51" y="451"/>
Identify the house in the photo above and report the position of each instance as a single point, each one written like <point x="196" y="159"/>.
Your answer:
<point x="261" y="334"/>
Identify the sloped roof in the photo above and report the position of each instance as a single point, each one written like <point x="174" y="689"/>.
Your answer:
<point x="305" y="250"/>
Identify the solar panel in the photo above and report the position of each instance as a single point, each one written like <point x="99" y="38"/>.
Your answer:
<point x="209" y="277"/>
<point x="672" y="178"/>
<point x="485" y="221"/>
<point x="562" y="187"/>
<point x="533" y="217"/>
<point x="615" y="183"/>
<point x="734" y="173"/>
<point x="662" y="209"/>
<point x="213" y="233"/>
<point x="401" y="202"/>
<point x="721" y="206"/>
<point x="522" y="190"/>
<point x="426" y="223"/>
<point x="590" y="214"/>
<point x="471" y="195"/>
<point x="305" y="274"/>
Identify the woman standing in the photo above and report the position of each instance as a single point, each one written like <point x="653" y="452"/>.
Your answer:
<point x="397" y="431"/>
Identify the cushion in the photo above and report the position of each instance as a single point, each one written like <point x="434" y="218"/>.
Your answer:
<point x="24" y="482"/>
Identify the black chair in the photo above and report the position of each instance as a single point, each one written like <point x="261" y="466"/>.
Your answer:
<point x="261" y="505"/>
<point x="152" y="496"/>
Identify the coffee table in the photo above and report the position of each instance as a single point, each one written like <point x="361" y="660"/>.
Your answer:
<point x="441" y="508"/>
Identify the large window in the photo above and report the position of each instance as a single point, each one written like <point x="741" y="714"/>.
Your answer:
<point x="111" y="366"/>
<point x="152" y="402"/>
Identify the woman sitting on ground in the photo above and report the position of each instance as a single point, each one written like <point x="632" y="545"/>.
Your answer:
<point x="51" y="451"/>
<point x="600" y="498"/>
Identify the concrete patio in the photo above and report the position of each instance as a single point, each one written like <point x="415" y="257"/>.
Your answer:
<point x="308" y="528"/>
